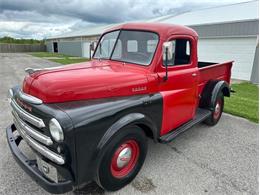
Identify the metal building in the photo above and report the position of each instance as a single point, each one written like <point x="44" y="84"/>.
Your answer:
<point x="75" y="43"/>
<point x="226" y="33"/>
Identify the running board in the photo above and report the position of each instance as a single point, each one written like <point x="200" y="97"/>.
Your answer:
<point x="201" y="115"/>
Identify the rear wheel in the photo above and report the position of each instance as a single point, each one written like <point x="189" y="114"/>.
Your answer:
<point x="217" y="112"/>
<point x="123" y="158"/>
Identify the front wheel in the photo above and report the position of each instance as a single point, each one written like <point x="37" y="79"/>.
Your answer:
<point x="217" y="112"/>
<point x="123" y="158"/>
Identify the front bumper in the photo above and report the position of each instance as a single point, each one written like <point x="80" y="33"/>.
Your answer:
<point x="30" y="166"/>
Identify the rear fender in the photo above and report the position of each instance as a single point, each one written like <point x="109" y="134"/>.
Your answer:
<point x="211" y="92"/>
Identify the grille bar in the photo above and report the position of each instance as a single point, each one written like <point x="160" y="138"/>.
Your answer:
<point x="27" y="116"/>
<point x="29" y="98"/>
<point x="38" y="147"/>
<point x="32" y="132"/>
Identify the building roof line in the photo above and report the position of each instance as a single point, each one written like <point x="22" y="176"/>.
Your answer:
<point x="226" y="22"/>
<point x="220" y="6"/>
<point x="197" y="10"/>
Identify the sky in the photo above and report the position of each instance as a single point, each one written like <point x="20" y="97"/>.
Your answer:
<point x="39" y="19"/>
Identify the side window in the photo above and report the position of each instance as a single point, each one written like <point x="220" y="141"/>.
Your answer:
<point x="181" y="52"/>
<point x="132" y="46"/>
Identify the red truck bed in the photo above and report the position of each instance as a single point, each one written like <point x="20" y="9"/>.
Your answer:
<point x="218" y="71"/>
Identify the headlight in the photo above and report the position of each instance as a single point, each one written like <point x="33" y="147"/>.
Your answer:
<point x="56" y="130"/>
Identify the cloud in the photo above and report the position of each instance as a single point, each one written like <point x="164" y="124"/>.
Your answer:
<point x="42" y="18"/>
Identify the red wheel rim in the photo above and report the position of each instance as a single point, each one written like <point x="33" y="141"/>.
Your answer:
<point x="218" y="109"/>
<point x="125" y="159"/>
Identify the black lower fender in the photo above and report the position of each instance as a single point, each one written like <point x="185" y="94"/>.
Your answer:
<point x="96" y="121"/>
<point x="130" y="119"/>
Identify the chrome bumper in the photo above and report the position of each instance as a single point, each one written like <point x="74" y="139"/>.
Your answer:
<point x="31" y="167"/>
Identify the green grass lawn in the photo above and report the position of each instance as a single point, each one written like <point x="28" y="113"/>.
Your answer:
<point x="48" y="54"/>
<point x="59" y="58"/>
<point x="244" y="102"/>
<point x="69" y="61"/>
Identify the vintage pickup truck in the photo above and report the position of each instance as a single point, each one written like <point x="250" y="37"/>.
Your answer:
<point x="91" y="121"/>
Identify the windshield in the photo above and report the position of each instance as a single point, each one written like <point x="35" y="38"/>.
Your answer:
<point x="136" y="47"/>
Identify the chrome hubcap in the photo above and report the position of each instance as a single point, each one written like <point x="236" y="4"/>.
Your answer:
<point x="217" y="108"/>
<point x="124" y="157"/>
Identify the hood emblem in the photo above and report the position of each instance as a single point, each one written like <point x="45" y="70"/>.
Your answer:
<point x="23" y="105"/>
<point x="137" y="89"/>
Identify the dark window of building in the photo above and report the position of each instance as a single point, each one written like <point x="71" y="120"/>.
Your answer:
<point x="55" y="47"/>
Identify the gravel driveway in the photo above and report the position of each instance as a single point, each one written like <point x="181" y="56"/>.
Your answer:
<point x="204" y="160"/>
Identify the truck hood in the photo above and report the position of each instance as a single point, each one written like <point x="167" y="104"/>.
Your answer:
<point x="91" y="80"/>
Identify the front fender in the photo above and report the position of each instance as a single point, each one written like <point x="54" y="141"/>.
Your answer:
<point x="130" y="119"/>
<point x="97" y="121"/>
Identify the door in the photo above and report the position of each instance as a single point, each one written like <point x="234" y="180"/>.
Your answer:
<point x="55" y="47"/>
<point x="180" y="90"/>
<point x="240" y="49"/>
<point x="86" y="49"/>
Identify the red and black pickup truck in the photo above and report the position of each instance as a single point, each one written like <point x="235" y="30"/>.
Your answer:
<point x="91" y="121"/>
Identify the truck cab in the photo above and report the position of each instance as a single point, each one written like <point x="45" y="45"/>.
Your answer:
<point x="91" y="121"/>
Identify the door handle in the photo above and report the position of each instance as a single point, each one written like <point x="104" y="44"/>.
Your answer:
<point x="194" y="74"/>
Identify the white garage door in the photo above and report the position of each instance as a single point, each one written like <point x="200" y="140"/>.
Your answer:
<point x="85" y="49"/>
<point x="241" y="50"/>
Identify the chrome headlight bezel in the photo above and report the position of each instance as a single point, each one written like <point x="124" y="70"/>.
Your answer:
<point x="10" y="95"/>
<point x="56" y="130"/>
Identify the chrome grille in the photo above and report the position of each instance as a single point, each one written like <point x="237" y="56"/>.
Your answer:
<point x="32" y="132"/>
<point x="27" y="116"/>
<point x="33" y="137"/>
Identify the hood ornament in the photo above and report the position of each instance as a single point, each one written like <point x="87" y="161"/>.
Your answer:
<point x="33" y="70"/>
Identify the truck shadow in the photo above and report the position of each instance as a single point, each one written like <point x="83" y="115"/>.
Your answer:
<point x="91" y="188"/>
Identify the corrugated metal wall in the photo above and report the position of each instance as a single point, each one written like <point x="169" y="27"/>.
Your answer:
<point x="70" y="48"/>
<point x="234" y="29"/>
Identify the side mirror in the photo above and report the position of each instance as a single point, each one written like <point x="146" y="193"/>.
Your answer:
<point x="167" y="50"/>
<point x="92" y="48"/>
<point x="167" y="55"/>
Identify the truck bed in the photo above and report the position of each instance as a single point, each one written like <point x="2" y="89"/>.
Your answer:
<point x="213" y="71"/>
<point x="205" y="64"/>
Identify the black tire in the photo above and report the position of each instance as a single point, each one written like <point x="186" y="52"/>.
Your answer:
<point x="127" y="135"/>
<point x="215" y="115"/>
